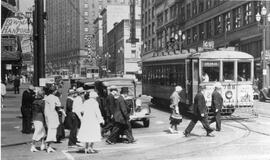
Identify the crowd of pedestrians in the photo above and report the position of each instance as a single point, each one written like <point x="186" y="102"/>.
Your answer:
<point x="200" y="111"/>
<point x="41" y="107"/>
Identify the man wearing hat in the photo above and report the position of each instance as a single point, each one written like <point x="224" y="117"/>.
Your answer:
<point x="26" y="109"/>
<point x="217" y="103"/>
<point x="199" y="114"/>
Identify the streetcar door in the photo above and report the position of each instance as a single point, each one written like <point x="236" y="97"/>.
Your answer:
<point x="188" y="82"/>
<point x="195" y="77"/>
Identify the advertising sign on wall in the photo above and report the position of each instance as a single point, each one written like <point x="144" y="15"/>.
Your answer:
<point x="15" y="26"/>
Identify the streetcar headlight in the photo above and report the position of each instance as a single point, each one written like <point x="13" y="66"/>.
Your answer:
<point x="228" y="94"/>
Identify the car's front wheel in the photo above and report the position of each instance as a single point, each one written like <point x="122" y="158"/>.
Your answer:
<point x="146" y="122"/>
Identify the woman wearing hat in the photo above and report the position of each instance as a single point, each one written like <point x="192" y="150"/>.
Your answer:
<point x="39" y="121"/>
<point x="90" y="131"/>
<point x="52" y="103"/>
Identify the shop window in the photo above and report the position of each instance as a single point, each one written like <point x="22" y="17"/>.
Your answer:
<point x="211" y="70"/>
<point x="227" y="21"/>
<point x="237" y="18"/>
<point x="228" y="71"/>
<point x="244" y="71"/>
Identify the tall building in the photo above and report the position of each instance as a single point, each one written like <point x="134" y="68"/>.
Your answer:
<point x="124" y="55"/>
<point x="148" y="22"/>
<point x="225" y="22"/>
<point x="114" y="12"/>
<point x="70" y="35"/>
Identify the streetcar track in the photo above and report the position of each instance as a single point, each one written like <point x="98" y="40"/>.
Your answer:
<point x="246" y="134"/>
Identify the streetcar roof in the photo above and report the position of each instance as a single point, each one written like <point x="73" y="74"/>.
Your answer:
<point x="222" y="55"/>
<point x="169" y="57"/>
<point x="204" y="55"/>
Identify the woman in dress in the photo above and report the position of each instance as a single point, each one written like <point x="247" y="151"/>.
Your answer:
<point x="52" y="105"/>
<point x="38" y="120"/>
<point x="90" y="131"/>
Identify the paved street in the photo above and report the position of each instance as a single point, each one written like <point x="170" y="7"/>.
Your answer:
<point x="240" y="139"/>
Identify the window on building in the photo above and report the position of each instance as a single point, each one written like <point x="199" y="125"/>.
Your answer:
<point x="133" y="53"/>
<point x="86" y="5"/>
<point x="166" y="15"/>
<point x="86" y="13"/>
<point x="228" y="71"/>
<point x="195" y="34"/>
<point x="145" y="32"/>
<point x="188" y="36"/>
<point x="153" y="43"/>
<point x="142" y="34"/>
<point x="153" y="28"/>
<point x="216" y="2"/>
<point x="217" y="25"/>
<point x="247" y="13"/>
<point x="86" y="29"/>
<point x="227" y="21"/>
<point x="201" y="5"/>
<point x="183" y="15"/>
<point x="145" y="18"/>
<point x="188" y="10"/>
<point x="149" y="15"/>
<point x="153" y="13"/>
<point x="194" y="7"/>
<point x="208" y="4"/>
<point x="145" y="46"/>
<point x="212" y="69"/>
<point x="201" y="31"/>
<point x="237" y="18"/>
<point x="159" y="19"/>
<point x="142" y="19"/>
<point x="209" y="29"/>
<point x="149" y="30"/>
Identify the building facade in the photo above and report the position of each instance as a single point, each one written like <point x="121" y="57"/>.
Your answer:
<point x="124" y="55"/>
<point x="227" y="23"/>
<point x="70" y="42"/>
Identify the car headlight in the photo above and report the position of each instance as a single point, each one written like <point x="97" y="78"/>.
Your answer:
<point x="228" y="94"/>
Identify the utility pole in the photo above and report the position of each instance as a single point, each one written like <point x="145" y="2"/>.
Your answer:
<point x="38" y="34"/>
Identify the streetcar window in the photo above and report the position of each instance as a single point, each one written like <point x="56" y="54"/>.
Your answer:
<point x="228" y="71"/>
<point x="244" y="71"/>
<point x="211" y="69"/>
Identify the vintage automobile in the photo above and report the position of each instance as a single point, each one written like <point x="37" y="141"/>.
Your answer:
<point x="138" y="105"/>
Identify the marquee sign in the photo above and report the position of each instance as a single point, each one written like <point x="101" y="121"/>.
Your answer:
<point x="15" y="26"/>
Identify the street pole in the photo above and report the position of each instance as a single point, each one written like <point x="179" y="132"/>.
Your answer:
<point x="39" y="55"/>
<point x="264" y="54"/>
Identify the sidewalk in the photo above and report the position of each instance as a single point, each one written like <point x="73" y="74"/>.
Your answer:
<point x="11" y="121"/>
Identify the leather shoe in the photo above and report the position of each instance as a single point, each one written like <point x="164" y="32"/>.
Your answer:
<point x="186" y="134"/>
<point x="210" y="135"/>
<point x="109" y="142"/>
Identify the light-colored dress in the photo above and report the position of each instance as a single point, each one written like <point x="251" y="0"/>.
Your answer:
<point x="51" y="116"/>
<point x="90" y="125"/>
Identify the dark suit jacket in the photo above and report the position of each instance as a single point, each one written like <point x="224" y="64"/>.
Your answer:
<point x="199" y="105"/>
<point x="69" y="104"/>
<point x="217" y="101"/>
<point x="110" y="104"/>
<point x="120" y="113"/>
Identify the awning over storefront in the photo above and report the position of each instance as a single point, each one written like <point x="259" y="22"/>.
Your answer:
<point x="10" y="56"/>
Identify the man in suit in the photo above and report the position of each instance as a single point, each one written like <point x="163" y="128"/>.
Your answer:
<point x="199" y="114"/>
<point x="28" y="98"/>
<point x="16" y="84"/>
<point x="217" y="103"/>
<point x="121" y="119"/>
<point x="109" y="109"/>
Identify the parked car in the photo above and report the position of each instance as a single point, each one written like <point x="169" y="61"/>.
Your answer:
<point x="139" y="107"/>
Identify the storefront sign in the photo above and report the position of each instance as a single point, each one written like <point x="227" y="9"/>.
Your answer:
<point x="208" y="45"/>
<point x="210" y="64"/>
<point x="14" y="26"/>
<point x="26" y="45"/>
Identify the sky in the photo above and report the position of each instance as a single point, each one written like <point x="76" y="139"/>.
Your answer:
<point x="25" y="4"/>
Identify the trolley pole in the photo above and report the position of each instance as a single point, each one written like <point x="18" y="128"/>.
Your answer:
<point x="39" y="54"/>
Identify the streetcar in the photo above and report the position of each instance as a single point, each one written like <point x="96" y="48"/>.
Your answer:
<point x="233" y="69"/>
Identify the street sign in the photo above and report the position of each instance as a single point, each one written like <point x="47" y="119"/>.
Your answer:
<point x="208" y="44"/>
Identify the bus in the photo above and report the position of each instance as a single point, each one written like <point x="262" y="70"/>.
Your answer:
<point x="233" y="69"/>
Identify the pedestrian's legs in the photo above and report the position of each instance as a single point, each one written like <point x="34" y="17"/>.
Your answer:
<point x="191" y="125"/>
<point x="206" y="125"/>
<point x="218" y="121"/>
<point x="128" y="133"/>
<point x="117" y="129"/>
<point x="73" y="132"/>
<point x="33" y="147"/>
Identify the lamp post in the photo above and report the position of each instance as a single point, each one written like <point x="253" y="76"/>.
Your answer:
<point x="107" y="56"/>
<point x="181" y="38"/>
<point x="265" y="17"/>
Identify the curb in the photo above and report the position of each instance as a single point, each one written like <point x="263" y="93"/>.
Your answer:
<point x="15" y="144"/>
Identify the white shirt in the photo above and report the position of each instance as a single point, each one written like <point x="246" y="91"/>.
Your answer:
<point x="51" y="116"/>
<point x="77" y="106"/>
